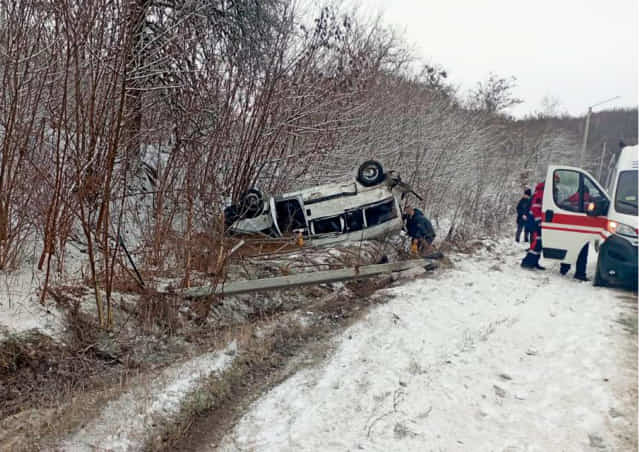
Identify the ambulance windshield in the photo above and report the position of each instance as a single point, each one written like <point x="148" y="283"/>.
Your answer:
<point x="627" y="193"/>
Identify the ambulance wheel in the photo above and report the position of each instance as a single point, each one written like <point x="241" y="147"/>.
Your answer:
<point x="370" y="173"/>
<point x="598" y="280"/>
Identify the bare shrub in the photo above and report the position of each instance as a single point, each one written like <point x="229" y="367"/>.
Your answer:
<point x="145" y="118"/>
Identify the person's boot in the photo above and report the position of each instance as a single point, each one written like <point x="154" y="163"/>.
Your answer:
<point x="581" y="278"/>
<point x="539" y="267"/>
<point x="434" y="255"/>
<point x="526" y="263"/>
<point x="564" y="268"/>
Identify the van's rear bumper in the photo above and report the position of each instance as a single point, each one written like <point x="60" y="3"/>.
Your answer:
<point x="618" y="261"/>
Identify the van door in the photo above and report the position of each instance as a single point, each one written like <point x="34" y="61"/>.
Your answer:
<point x="566" y="227"/>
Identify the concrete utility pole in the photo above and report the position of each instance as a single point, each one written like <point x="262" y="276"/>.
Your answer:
<point x="604" y="150"/>
<point x="305" y="279"/>
<point x="583" y="150"/>
<point x="584" y="139"/>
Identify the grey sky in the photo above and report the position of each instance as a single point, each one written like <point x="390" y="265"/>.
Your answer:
<point x="577" y="51"/>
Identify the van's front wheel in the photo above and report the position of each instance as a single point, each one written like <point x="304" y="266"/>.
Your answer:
<point x="598" y="280"/>
<point x="370" y="173"/>
<point x="251" y="204"/>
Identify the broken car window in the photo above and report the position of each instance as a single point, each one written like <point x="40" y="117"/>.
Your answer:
<point x="380" y="213"/>
<point x="290" y="216"/>
<point x="354" y="220"/>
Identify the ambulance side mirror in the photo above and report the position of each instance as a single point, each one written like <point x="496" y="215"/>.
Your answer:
<point x="597" y="208"/>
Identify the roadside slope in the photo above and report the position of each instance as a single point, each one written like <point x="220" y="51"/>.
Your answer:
<point x="486" y="357"/>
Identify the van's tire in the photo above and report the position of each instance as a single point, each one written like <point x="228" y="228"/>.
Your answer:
<point x="251" y="204"/>
<point x="598" y="280"/>
<point x="230" y="216"/>
<point x="370" y="173"/>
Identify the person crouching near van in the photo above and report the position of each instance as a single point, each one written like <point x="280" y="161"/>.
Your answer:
<point x="420" y="229"/>
<point x="534" y="224"/>
<point x="523" y="209"/>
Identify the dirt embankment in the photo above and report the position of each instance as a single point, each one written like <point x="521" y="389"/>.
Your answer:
<point x="51" y="388"/>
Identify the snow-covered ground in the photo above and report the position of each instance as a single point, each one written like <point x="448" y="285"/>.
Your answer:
<point x="485" y="357"/>
<point x="129" y="422"/>
<point x="20" y="290"/>
<point x="20" y="309"/>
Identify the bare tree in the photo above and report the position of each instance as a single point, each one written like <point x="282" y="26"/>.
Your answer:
<point x="494" y="95"/>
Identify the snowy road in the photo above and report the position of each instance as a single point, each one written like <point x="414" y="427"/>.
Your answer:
<point x="484" y="357"/>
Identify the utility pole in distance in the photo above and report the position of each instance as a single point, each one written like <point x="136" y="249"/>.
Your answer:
<point x="586" y="129"/>
<point x="604" y="151"/>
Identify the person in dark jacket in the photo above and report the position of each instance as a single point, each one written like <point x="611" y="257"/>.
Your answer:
<point x="581" y="265"/>
<point x="420" y="229"/>
<point x="523" y="209"/>
<point x="534" y="224"/>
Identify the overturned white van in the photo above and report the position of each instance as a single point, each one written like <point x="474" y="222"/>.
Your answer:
<point x="363" y="209"/>
<point x="578" y="211"/>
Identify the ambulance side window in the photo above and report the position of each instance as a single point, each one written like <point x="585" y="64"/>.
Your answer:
<point x="591" y="192"/>
<point x="566" y="188"/>
<point x="573" y="191"/>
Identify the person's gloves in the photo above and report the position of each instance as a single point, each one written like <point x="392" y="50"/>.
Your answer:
<point x="414" y="247"/>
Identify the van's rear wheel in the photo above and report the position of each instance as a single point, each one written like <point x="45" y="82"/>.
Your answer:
<point x="251" y="204"/>
<point x="370" y="173"/>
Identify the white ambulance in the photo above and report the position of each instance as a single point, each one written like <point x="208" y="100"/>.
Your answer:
<point x="577" y="211"/>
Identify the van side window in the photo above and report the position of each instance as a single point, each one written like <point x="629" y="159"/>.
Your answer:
<point x="354" y="220"/>
<point x="326" y="225"/>
<point x="381" y="213"/>
<point x="566" y="188"/>
<point x="574" y="191"/>
<point x="591" y="193"/>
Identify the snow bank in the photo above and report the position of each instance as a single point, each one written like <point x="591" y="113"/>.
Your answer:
<point x="20" y="308"/>
<point x="128" y="423"/>
<point x="486" y="357"/>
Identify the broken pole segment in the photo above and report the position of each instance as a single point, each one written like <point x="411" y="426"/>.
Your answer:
<point x="302" y="279"/>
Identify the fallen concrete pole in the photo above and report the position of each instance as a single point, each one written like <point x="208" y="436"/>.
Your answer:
<point x="302" y="279"/>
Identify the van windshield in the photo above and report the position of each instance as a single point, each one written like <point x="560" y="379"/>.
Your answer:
<point x="627" y="193"/>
